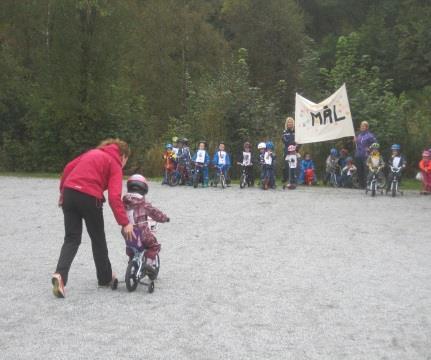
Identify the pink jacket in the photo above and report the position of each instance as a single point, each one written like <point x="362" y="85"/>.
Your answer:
<point x="139" y="210"/>
<point x="94" y="172"/>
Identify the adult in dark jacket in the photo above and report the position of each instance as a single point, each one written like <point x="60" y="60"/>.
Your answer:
<point x="82" y="185"/>
<point x="288" y="139"/>
<point x="363" y="140"/>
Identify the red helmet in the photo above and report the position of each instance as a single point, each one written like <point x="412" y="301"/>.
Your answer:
<point x="138" y="184"/>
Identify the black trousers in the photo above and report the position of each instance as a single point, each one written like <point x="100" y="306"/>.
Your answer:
<point x="361" y="165"/>
<point x="77" y="207"/>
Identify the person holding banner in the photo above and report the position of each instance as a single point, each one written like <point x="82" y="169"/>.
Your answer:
<point x="363" y="141"/>
<point x="288" y="139"/>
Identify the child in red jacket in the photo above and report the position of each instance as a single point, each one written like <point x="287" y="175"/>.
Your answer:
<point x="425" y="167"/>
<point x="140" y="213"/>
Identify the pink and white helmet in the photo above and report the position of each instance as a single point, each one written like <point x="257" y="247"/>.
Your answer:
<point x="291" y="148"/>
<point x="426" y="153"/>
<point x="137" y="183"/>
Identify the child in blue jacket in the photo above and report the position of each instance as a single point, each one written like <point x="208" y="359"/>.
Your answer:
<point x="308" y="171"/>
<point x="221" y="160"/>
<point x="202" y="159"/>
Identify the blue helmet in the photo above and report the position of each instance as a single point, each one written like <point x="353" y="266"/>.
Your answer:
<point x="270" y="145"/>
<point x="396" y="147"/>
<point x="334" y="152"/>
<point x="168" y="146"/>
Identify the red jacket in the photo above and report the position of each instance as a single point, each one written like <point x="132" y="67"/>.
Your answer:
<point x="94" y="172"/>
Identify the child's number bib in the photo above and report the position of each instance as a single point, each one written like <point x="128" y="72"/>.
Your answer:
<point x="222" y="157"/>
<point x="246" y="158"/>
<point x="268" y="158"/>
<point x="375" y="161"/>
<point x="200" y="156"/>
<point x="293" y="161"/>
<point x="396" y="162"/>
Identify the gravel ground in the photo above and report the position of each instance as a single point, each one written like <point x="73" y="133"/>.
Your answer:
<point x="246" y="274"/>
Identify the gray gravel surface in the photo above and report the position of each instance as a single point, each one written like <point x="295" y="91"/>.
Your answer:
<point x="246" y="274"/>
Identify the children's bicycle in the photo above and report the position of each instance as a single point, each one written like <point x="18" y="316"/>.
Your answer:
<point x="138" y="272"/>
<point x="219" y="177"/>
<point x="333" y="177"/>
<point x="394" y="186"/>
<point x="179" y="176"/>
<point x="375" y="183"/>
<point x="244" y="178"/>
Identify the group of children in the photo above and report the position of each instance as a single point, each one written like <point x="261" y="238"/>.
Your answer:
<point x="140" y="212"/>
<point x="178" y="159"/>
<point x="340" y="169"/>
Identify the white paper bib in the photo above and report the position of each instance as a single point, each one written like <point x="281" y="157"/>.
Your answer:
<point x="293" y="161"/>
<point x="246" y="158"/>
<point x="396" y="162"/>
<point x="268" y="158"/>
<point x="200" y="156"/>
<point x="222" y="157"/>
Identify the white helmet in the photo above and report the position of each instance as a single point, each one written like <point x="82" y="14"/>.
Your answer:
<point x="261" y="145"/>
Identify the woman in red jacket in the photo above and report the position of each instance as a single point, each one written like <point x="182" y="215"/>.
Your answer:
<point x="82" y="185"/>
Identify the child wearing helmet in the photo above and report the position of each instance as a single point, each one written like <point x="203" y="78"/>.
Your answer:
<point x="347" y="173"/>
<point x="395" y="162"/>
<point x="201" y="158"/>
<point x="332" y="165"/>
<point x="184" y="159"/>
<point x="261" y="147"/>
<point x="269" y="159"/>
<point x="140" y="212"/>
<point x="308" y="171"/>
<point x="375" y="164"/>
<point x="245" y="159"/>
<point x="425" y="169"/>
<point x="221" y="160"/>
<point x="342" y="160"/>
<point x="169" y="164"/>
<point x="175" y="144"/>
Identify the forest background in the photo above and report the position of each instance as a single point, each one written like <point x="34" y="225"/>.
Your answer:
<point x="73" y="72"/>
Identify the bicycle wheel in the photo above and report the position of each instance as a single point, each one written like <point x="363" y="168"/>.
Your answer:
<point x="174" y="179"/>
<point x="243" y="181"/>
<point x="196" y="179"/>
<point x="222" y="181"/>
<point x="131" y="276"/>
<point x="394" y="188"/>
<point x="333" y="180"/>
<point x="373" y="187"/>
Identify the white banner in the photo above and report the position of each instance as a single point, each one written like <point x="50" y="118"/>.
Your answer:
<point x="331" y="119"/>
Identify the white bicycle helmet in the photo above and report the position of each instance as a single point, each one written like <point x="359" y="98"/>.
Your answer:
<point x="261" y="145"/>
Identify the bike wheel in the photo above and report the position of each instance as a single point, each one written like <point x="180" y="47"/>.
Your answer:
<point x="222" y="181"/>
<point x="174" y="179"/>
<point x="131" y="276"/>
<point x="373" y="188"/>
<point x="195" y="180"/>
<point x="394" y="188"/>
<point x="242" y="181"/>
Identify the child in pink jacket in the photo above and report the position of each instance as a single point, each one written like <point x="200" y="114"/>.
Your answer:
<point x="140" y="212"/>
